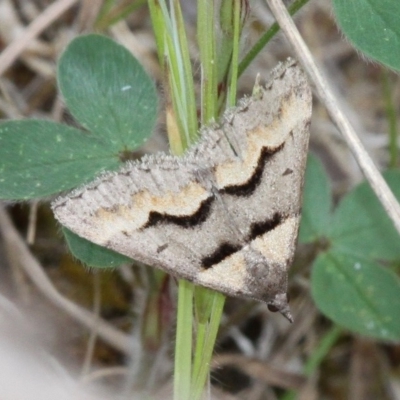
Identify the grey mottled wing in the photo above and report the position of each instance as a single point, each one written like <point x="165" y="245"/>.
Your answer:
<point x="226" y="214"/>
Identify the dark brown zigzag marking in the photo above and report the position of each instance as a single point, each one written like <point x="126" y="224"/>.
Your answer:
<point x="227" y="249"/>
<point x="259" y="228"/>
<point x="247" y="188"/>
<point x="185" y="221"/>
<point x="223" y="251"/>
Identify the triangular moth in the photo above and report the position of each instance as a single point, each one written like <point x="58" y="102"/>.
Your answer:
<point x="226" y="214"/>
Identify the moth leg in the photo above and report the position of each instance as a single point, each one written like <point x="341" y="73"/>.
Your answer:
<point x="232" y="137"/>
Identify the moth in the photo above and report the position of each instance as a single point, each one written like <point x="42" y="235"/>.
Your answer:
<point x="226" y="214"/>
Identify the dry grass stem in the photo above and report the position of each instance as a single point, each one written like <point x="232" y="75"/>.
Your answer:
<point x="16" y="245"/>
<point x="336" y="112"/>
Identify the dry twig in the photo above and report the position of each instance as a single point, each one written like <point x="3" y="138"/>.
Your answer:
<point x="335" y="111"/>
<point x="49" y="15"/>
<point x="15" y="244"/>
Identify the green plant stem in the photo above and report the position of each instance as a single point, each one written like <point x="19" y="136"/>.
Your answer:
<point x="180" y="75"/>
<point x="183" y="344"/>
<point x="318" y="355"/>
<point x="266" y="37"/>
<point x="208" y="304"/>
<point x="109" y="17"/>
<point x="206" y="36"/>
<point x="325" y="345"/>
<point x="188" y="92"/>
<point x="190" y="376"/>
<point x="235" y="55"/>
<point x="159" y="29"/>
<point x="105" y="10"/>
<point x="391" y="118"/>
<point x="206" y="335"/>
<point x="174" y="58"/>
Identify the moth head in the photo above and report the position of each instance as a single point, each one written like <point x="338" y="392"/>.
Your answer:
<point x="281" y="303"/>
